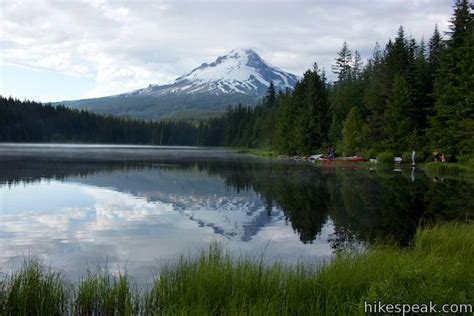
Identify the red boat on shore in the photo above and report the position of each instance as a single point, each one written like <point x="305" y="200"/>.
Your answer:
<point x="343" y="159"/>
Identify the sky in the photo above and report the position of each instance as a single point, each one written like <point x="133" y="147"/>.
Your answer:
<point x="55" y="50"/>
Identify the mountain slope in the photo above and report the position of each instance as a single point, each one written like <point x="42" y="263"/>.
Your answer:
<point x="241" y="76"/>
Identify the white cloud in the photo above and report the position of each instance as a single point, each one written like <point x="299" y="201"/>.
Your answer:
<point x="125" y="45"/>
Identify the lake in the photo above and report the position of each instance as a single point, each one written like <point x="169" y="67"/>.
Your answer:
<point x="136" y="208"/>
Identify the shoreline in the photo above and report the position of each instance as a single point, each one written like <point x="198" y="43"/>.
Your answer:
<point x="438" y="167"/>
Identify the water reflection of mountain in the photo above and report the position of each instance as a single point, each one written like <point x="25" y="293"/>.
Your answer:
<point x="195" y="193"/>
<point x="363" y="205"/>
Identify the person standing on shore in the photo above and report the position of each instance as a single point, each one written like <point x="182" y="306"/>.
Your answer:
<point x="413" y="157"/>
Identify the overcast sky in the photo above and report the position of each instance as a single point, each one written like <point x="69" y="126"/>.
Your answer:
<point x="55" y="50"/>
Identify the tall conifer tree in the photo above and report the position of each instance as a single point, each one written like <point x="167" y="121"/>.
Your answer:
<point x="452" y="122"/>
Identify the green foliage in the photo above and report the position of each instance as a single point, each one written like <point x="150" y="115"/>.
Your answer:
<point x="466" y="159"/>
<point x="452" y="124"/>
<point x="25" y="121"/>
<point x="34" y="290"/>
<point x="436" y="48"/>
<point x="406" y="157"/>
<point x="302" y="120"/>
<point x="386" y="157"/>
<point x="437" y="268"/>
<point x="448" y="168"/>
<point x="344" y="96"/>
<point x="311" y="126"/>
<point x="258" y="152"/>
<point x="343" y="66"/>
<point x="101" y="294"/>
<point x="347" y="91"/>
<point x="354" y="132"/>
<point x="397" y="122"/>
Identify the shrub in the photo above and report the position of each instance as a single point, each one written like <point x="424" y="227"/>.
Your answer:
<point x="423" y="155"/>
<point x="369" y="153"/>
<point x="465" y="159"/>
<point x="406" y="157"/>
<point x="385" y="157"/>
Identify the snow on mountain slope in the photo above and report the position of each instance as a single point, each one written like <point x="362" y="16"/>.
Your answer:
<point x="240" y="77"/>
<point x="239" y="72"/>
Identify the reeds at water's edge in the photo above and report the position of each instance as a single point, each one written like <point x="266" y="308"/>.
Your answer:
<point x="438" y="267"/>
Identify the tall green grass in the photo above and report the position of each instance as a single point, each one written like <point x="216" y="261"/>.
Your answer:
<point x="101" y="294"/>
<point x="34" y="290"/>
<point x="438" y="267"/>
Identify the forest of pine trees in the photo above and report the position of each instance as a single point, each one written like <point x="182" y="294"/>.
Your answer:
<point x="408" y="95"/>
<point x="25" y="121"/>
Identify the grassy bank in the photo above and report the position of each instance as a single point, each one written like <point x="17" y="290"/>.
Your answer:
<point x="450" y="170"/>
<point x="258" y="152"/>
<point x="449" y="167"/>
<point x="439" y="267"/>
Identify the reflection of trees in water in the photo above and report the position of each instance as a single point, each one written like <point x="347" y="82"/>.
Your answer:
<point x="18" y="171"/>
<point x="363" y="205"/>
<point x="378" y="205"/>
<point x="367" y="206"/>
<point x="342" y="239"/>
<point x="388" y="205"/>
<point x="451" y="197"/>
<point x="299" y="190"/>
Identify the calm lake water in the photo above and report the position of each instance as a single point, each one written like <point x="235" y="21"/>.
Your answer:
<point x="138" y="207"/>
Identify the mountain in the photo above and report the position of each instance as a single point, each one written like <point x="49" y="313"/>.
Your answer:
<point x="241" y="76"/>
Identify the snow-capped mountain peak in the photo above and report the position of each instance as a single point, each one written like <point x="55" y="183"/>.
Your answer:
<point x="241" y="71"/>
<point x="239" y="77"/>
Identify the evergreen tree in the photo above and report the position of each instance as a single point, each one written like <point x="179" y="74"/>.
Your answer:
<point x="357" y="66"/>
<point x="397" y="55"/>
<point x="347" y="92"/>
<point x="398" y="126"/>
<point x="436" y="47"/>
<point x="376" y="91"/>
<point x="342" y="68"/>
<point x="270" y="98"/>
<point x="460" y="23"/>
<point x="354" y="132"/>
<point x="341" y="102"/>
<point x="452" y="123"/>
<point x="421" y="89"/>
<point x="31" y="121"/>
<point x="268" y="117"/>
<point x="315" y="113"/>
